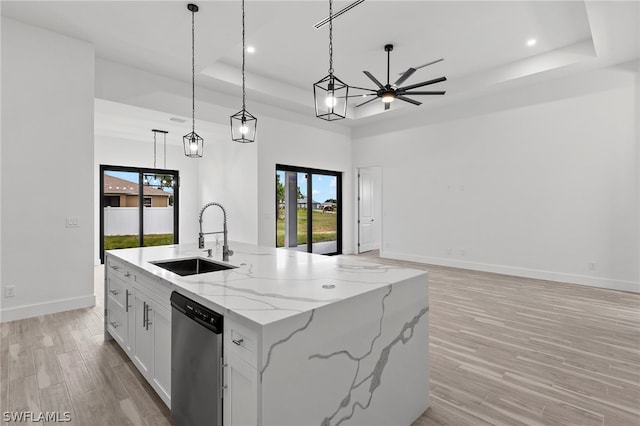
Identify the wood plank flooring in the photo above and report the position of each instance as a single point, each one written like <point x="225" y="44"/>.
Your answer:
<point x="515" y="351"/>
<point x="504" y="350"/>
<point x="61" y="363"/>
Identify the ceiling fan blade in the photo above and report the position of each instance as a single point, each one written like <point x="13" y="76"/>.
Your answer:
<point x="375" y="80"/>
<point x="422" y="93"/>
<point x="424" y="83"/>
<point x="364" y="95"/>
<point x="362" y="88"/>
<point x="387" y="106"/>
<point x="366" y="102"/>
<point x="428" y="63"/>
<point x="411" y="101"/>
<point x="408" y="73"/>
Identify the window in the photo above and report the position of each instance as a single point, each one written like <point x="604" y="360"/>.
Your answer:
<point x="147" y="201"/>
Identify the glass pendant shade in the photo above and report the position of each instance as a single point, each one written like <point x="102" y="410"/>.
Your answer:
<point x="330" y="95"/>
<point x="193" y="145"/>
<point x="243" y="127"/>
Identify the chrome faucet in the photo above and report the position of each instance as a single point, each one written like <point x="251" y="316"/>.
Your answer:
<point x="225" y="246"/>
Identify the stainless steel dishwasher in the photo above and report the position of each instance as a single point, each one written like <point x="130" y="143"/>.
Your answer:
<point x="196" y="363"/>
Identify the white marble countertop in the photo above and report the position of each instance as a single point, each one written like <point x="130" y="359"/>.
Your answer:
<point x="268" y="284"/>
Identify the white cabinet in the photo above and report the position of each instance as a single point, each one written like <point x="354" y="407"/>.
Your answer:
<point x="241" y="395"/>
<point x="138" y="317"/>
<point x="241" y="376"/>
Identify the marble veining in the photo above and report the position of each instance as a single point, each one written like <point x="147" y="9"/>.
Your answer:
<point x="376" y="374"/>
<point x="275" y="283"/>
<point x="286" y="339"/>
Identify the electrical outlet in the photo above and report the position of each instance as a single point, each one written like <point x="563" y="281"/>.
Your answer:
<point x="592" y="266"/>
<point x="10" y="291"/>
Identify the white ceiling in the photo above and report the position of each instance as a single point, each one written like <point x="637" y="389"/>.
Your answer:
<point x="483" y="43"/>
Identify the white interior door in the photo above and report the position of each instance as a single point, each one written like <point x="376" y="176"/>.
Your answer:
<point x="368" y="209"/>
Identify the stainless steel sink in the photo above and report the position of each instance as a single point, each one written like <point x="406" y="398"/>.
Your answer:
<point x="184" y="267"/>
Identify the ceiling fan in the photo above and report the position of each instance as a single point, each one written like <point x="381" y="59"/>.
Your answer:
<point x="389" y="92"/>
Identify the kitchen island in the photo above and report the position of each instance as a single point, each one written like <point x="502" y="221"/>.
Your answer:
<point x="308" y="339"/>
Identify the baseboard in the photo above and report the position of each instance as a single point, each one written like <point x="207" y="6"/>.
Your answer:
<point x="608" y="283"/>
<point x="37" y="309"/>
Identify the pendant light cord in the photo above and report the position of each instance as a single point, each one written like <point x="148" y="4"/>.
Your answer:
<point x="193" y="72"/>
<point x="330" y="37"/>
<point x="244" y="92"/>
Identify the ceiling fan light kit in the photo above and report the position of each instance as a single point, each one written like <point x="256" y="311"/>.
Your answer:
<point x="193" y="143"/>
<point x="243" y="124"/>
<point x="330" y="94"/>
<point x="390" y="92"/>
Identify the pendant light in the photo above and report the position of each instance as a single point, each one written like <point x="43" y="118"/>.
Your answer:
<point x="164" y="134"/>
<point x="193" y="143"/>
<point x="330" y="94"/>
<point x="243" y="124"/>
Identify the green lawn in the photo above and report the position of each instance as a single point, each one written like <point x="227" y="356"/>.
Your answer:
<point x="125" y="241"/>
<point x="324" y="227"/>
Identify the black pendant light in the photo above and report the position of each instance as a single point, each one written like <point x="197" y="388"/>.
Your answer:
<point x="243" y="124"/>
<point x="193" y="143"/>
<point x="330" y="94"/>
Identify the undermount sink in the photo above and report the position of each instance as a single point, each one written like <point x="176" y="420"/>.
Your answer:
<point x="194" y="266"/>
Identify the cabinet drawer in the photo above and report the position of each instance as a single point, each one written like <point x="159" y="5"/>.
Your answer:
<point x="115" y="267"/>
<point x="116" y="291"/>
<point x="117" y="323"/>
<point x="242" y="343"/>
<point x="153" y="287"/>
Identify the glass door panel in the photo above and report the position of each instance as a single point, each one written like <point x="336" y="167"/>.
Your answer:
<point x="308" y="214"/>
<point x="158" y="204"/>
<point x="324" y="213"/>
<point x="120" y="209"/>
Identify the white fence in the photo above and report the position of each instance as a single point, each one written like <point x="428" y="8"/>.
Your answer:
<point x="124" y="220"/>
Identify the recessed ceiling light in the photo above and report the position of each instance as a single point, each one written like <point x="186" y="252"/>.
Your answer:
<point x="251" y="49"/>
<point x="531" y="42"/>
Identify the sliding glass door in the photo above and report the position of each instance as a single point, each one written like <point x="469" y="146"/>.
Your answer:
<point x="139" y="207"/>
<point x="308" y="209"/>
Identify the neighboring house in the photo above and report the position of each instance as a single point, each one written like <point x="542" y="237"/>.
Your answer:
<point x="302" y="204"/>
<point x="123" y="193"/>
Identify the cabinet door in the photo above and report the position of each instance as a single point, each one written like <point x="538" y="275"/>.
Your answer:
<point x="241" y="394"/>
<point x="143" y="334"/>
<point x="129" y="310"/>
<point x="161" y="328"/>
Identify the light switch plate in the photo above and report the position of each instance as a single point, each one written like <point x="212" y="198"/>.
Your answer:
<point x="72" y="222"/>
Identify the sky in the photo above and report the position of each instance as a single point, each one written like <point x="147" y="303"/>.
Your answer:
<point x="131" y="177"/>
<point x="323" y="186"/>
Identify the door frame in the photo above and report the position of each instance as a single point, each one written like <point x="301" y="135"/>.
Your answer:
<point x="357" y="201"/>
<point x="141" y="171"/>
<point x="309" y="170"/>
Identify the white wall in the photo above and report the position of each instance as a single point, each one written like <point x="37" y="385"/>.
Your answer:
<point x="47" y="176"/>
<point x="538" y="190"/>
<point x="229" y="176"/>
<point x="289" y="143"/>
<point x="118" y="151"/>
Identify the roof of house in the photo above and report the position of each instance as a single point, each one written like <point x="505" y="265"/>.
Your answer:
<point x="304" y="201"/>
<point x="114" y="185"/>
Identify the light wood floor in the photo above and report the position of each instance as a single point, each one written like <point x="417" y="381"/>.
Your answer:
<point x="503" y="350"/>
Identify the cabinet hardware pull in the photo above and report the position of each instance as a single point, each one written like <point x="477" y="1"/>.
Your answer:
<point x="115" y="267"/>
<point x="126" y="301"/>
<point x="144" y="314"/>
<point x="127" y="274"/>
<point x="148" y="309"/>
<point x="114" y="324"/>
<point x="114" y="292"/>
<point x="237" y="341"/>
